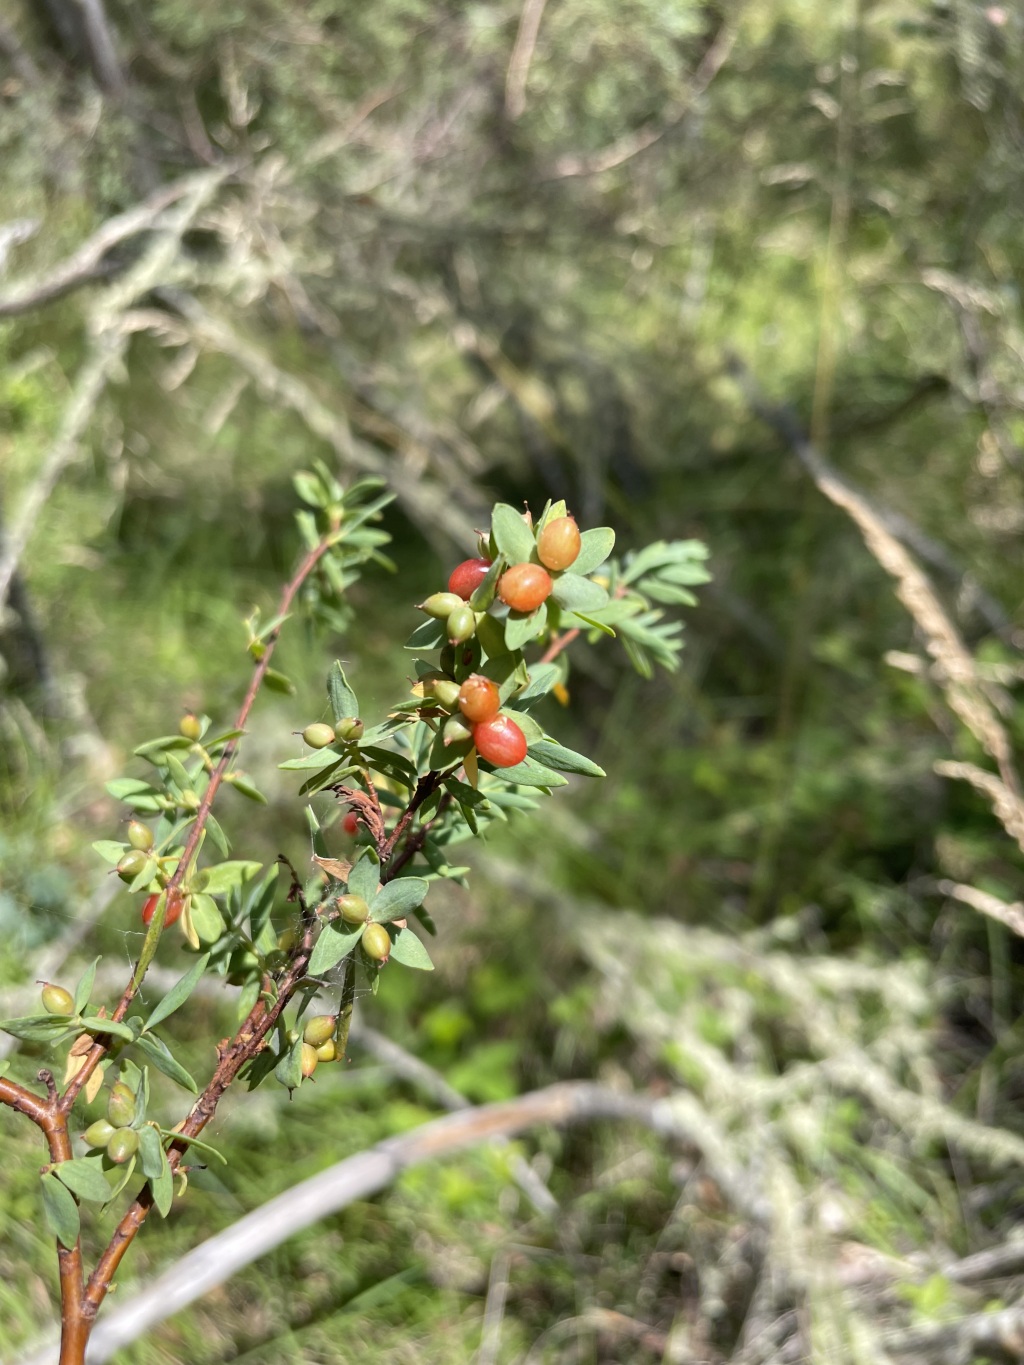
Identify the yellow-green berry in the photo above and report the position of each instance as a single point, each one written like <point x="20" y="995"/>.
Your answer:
<point x="56" y="1000"/>
<point x="319" y="1029"/>
<point x="376" y="942"/>
<point x="123" y="1145"/>
<point x="318" y="735"/>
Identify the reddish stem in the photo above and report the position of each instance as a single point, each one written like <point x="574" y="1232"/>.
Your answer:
<point x="309" y="563"/>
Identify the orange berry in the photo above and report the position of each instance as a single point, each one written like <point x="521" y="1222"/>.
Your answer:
<point x="500" y="741"/>
<point x="478" y="698"/>
<point x="524" y="587"/>
<point x="558" y="544"/>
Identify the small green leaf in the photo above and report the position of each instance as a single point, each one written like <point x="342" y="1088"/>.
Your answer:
<point x="344" y="702"/>
<point x="37" y="1028"/>
<point x="243" y="784"/>
<point x="483" y="594"/>
<point x="592" y="622"/>
<point x="429" y="635"/>
<point x="595" y="547"/>
<point x="530" y="773"/>
<point x="529" y="727"/>
<point x="364" y="879"/>
<point x="289" y="1069"/>
<point x="520" y="629"/>
<point x="150" y="1152"/>
<point x="512" y="536"/>
<point x="60" y="1211"/>
<point x="207" y="920"/>
<point x="158" y="1053"/>
<point x="124" y="1174"/>
<point x="138" y="795"/>
<point x="217" y="835"/>
<point x="162" y="1186"/>
<point x="410" y="952"/>
<point x="565" y="760"/>
<point x="490" y="632"/>
<point x="200" y="1146"/>
<point x="278" y="682"/>
<point x="153" y="748"/>
<point x="93" y="1025"/>
<point x="219" y="879"/>
<point x="109" y="850"/>
<point x="319" y="758"/>
<point x="576" y="593"/>
<point x="85" y="1178"/>
<point x="399" y="899"/>
<point x="178" y="994"/>
<point x="177" y="772"/>
<point x="542" y="679"/>
<point x="336" y="941"/>
<point x="84" y="988"/>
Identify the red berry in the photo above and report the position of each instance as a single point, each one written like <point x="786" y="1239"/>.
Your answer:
<point x="467" y="577"/>
<point x="175" y="905"/>
<point x="559" y="543"/>
<point x="500" y="741"/>
<point x="350" y="822"/>
<point x="478" y="698"/>
<point x="524" y="587"/>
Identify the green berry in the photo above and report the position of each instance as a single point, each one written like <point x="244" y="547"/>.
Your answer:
<point x="98" y="1134"/>
<point x="350" y="729"/>
<point x="140" y="836"/>
<point x="461" y="625"/>
<point x="456" y="731"/>
<point x="354" y="909"/>
<point x="123" y="1145"/>
<point x="376" y="942"/>
<point x="440" y="605"/>
<point x="121" y="1107"/>
<point x="190" y="726"/>
<point x="318" y="735"/>
<point x="327" y="1051"/>
<point x="56" y="1000"/>
<point x="309" y="1060"/>
<point x="319" y="1029"/>
<point x="446" y="693"/>
<point x="133" y="862"/>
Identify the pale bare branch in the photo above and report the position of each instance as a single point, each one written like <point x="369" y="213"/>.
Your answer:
<point x="86" y="263"/>
<point x="632" y="144"/>
<point x="358" y="1177"/>
<point x="522" y="55"/>
<point x="106" y="352"/>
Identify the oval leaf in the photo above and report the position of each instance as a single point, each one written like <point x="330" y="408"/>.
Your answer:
<point x="85" y="1178"/>
<point x="158" y="1053"/>
<point x="410" y="952"/>
<point x="512" y="536"/>
<point x="218" y="880"/>
<point x="530" y="773"/>
<point x="344" y="702"/>
<point x="398" y="899"/>
<point x="150" y="1152"/>
<point x="163" y="1187"/>
<point x="565" y="760"/>
<point x="60" y="1211"/>
<point x="596" y="545"/>
<point x="332" y="945"/>
<point x="178" y="994"/>
<point x="576" y="593"/>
